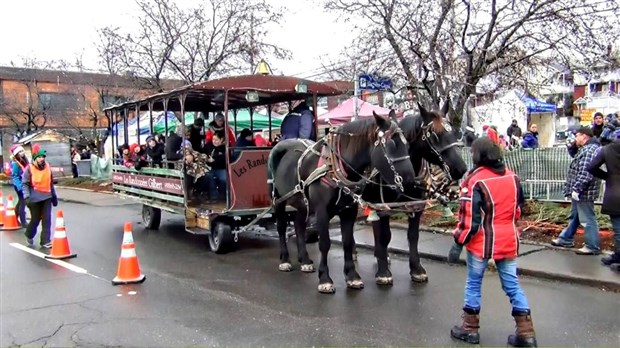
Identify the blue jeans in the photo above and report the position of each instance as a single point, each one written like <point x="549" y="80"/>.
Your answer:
<point x="216" y="179"/>
<point x="615" y="224"/>
<point x="507" y="270"/>
<point x="582" y="212"/>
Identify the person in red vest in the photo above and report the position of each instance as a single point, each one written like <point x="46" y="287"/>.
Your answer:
<point x="40" y="195"/>
<point x="491" y="199"/>
<point x="18" y="166"/>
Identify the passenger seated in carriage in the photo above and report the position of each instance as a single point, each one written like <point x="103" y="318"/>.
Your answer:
<point x="196" y="169"/>
<point x="155" y="150"/>
<point x="216" y="177"/>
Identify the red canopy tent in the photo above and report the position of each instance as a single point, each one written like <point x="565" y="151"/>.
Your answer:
<point x="344" y="112"/>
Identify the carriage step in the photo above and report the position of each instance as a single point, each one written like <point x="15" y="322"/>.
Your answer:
<point x="197" y="230"/>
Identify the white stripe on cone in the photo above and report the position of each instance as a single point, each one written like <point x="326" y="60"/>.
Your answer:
<point x="127" y="253"/>
<point x="127" y="238"/>
<point x="60" y="234"/>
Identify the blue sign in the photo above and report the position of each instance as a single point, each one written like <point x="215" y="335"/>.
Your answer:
<point x="374" y="82"/>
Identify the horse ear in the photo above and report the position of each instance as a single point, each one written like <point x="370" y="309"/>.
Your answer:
<point x="393" y="115"/>
<point x="446" y="108"/>
<point x="427" y="117"/>
<point x="382" y="123"/>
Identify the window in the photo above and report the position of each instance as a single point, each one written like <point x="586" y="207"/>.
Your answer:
<point x="59" y="101"/>
<point x="1" y="93"/>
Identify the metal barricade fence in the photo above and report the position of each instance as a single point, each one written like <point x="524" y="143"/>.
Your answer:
<point x="542" y="171"/>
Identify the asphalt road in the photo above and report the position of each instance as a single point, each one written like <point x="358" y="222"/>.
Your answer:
<point x="193" y="297"/>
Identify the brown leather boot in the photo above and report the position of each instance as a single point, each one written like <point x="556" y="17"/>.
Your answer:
<point x="468" y="331"/>
<point x="524" y="335"/>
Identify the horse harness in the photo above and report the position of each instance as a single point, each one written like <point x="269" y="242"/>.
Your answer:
<point x="332" y="170"/>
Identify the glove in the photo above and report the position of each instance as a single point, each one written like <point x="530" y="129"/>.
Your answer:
<point x="455" y="253"/>
<point x="55" y="201"/>
<point x="575" y="196"/>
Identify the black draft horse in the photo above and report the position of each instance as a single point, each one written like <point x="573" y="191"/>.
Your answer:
<point x="431" y="138"/>
<point x="326" y="177"/>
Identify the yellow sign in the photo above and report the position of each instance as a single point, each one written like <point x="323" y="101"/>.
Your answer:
<point x="587" y="115"/>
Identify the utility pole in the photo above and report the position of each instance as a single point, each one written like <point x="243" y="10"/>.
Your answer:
<point x="355" y="94"/>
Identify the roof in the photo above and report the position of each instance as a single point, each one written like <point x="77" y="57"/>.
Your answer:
<point x="76" y="78"/>
<point x="209" y="95"/>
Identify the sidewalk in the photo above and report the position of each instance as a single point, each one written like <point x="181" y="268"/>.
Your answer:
<point x="534" y="260"/>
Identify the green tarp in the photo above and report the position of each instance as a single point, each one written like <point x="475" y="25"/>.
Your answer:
<point x="242" y="120"/>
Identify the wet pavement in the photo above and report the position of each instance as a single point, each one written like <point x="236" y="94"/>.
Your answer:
<point x="194" y="297"/>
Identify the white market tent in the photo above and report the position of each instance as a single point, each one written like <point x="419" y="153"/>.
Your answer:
<point x="516" y="106"/>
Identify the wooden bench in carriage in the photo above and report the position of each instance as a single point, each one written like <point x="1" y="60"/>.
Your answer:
<point x="248" y="197"/>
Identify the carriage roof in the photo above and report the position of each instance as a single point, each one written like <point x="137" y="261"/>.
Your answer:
<point x="209" y="95"/>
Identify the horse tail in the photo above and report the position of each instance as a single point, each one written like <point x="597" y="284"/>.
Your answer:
<point x="273" y="161"/>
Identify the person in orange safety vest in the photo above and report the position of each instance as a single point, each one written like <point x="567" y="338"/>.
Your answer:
<point x="40" y="195"/>
<point x="491" y="197"/>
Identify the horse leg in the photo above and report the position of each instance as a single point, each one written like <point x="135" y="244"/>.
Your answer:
<point x="347" y="225"/>
<point x="383" y="236"/>
<point x="326" y="284"/>
<point x="302" y="253"/>
<point x="282" y="223"/>
<point x="416" y="271"/>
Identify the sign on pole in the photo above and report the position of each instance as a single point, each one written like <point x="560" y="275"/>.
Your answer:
<point x="374" y="82"/>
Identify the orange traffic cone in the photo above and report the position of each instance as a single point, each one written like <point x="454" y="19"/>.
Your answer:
<point x="10" y="219"/>
<point x="60" y="243"/>
<point x="128" y="266"/>
<point x="1" y="210"/>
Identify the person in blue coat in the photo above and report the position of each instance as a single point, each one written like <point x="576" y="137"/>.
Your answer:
<point x="530" y="139"/>
<point x="299" y="123"/>
<point x="18" y="165"/>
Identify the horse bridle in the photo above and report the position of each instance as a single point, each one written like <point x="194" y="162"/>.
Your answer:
<point x="382" y="137"/>
<point x="427" y="133"/>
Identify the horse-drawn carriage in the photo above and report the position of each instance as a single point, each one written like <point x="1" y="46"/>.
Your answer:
<point x="375" y="162"/>
<point x="165" y="188"/>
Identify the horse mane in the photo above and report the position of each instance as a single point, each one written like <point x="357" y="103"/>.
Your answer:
<point x="412" y="125"/>
<point x="356" y="135"/>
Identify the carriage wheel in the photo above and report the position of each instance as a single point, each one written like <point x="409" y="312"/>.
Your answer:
<point x="221" y="238"/>
<point x="151" y="217"/>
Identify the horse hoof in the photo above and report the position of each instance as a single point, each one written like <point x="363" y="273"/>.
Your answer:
<point x="308" y="268"/>
<point x="419" y="278"/>
<point x="327" y="288"/>
<point x="355" y="284"/>
<point x="285" y="267"/>
<point x="384" y="280"/>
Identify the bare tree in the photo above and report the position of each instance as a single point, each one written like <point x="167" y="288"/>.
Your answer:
<point x="215" y="38"/>
<point x="28" y="114"/>
<point x="451" y="46"/>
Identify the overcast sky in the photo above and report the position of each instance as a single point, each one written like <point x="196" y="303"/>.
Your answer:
<point x="62" y="29"/>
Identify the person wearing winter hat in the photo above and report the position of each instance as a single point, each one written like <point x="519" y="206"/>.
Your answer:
<point x="18" y="165"/>
<point x="40" y="195"/>
<point x="155" y="150"/>
<point x="218" y="125"/>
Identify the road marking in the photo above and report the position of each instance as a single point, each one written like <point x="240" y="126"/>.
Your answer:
<point x="61" y="263"/>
